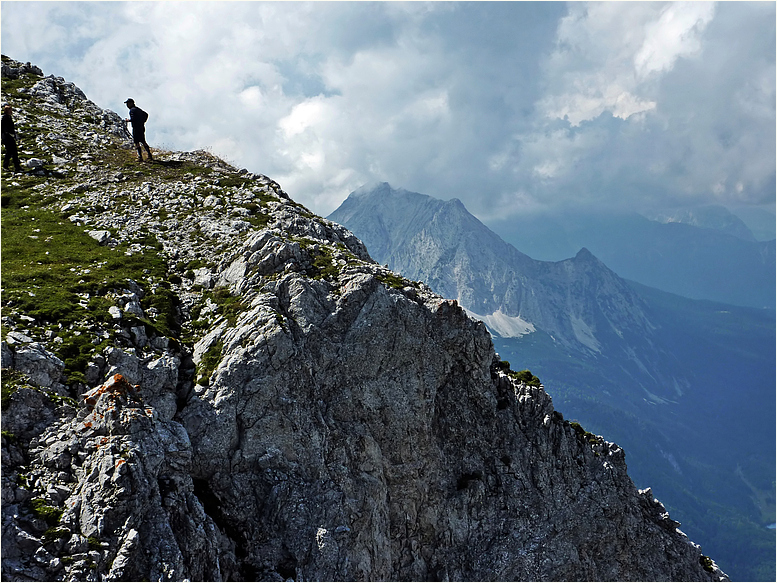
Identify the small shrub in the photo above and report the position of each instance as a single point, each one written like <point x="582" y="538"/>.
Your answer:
<point x="23" y="481"/>
<point x="65" y="401"/>
<point x="503" y="365"/>
<point x="10" y="381"/>
<point x="258" y="220"/>
<point x="591" y="438"/>
<point x="195" y="264"/>
<point x="392" y="280"/>
<point x="229" y="306"/>
<point x="51" y="514"/>
<point x="324" y="266"/>
<point x="75" y="352"/>
<point x="165" y="302"/>
<point x="526" y="376"/>
<point x="232" y="181"/>
<point x="707" y="563"/>
<point x="54" y="533"/>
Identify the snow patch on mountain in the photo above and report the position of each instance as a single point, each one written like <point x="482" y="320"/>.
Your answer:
<point x="503" y="325"/>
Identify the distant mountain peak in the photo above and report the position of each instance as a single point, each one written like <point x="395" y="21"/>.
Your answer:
<point x="713" y="216"/>
<point x="442" y="244"/>
<point x="584" y="253"/>
<point x="372" y="188"/>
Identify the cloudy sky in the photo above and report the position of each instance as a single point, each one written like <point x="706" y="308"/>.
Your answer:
<point x="509" y="106"/>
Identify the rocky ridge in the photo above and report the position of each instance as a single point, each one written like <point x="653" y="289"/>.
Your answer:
<point x="231" y="389"/>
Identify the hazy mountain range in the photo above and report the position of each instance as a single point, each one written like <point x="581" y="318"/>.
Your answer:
<point x="687" y="386"/>
<point x="706" y="253"/>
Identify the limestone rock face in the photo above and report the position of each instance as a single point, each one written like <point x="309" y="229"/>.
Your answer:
<point x="289" y="410"/>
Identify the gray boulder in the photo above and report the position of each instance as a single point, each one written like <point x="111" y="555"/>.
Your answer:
<point x="42" y="366"/>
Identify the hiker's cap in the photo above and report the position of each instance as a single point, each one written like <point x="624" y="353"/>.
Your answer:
<point x="130" y="100"/>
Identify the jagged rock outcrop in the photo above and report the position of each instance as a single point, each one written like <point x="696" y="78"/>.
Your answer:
<point x="277" y="406"/>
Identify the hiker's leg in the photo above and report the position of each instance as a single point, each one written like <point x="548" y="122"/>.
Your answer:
<point x="15" y="154"/>
<point x="140" y="152"/>
<point x="11" y="154"/>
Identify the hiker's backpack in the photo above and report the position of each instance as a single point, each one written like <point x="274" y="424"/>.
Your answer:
<point x="142" y="115"/>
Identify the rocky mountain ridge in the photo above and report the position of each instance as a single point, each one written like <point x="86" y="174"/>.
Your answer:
<point x="647" y="367"/>
<point x="204" y="381"/>
<point x="715" y="217"/>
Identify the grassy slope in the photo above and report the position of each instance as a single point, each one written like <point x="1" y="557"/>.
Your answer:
<point x="57" y="281"/>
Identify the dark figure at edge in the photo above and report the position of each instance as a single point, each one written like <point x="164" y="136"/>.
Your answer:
<point x="9" y="140"/>
<point x="138" y="117"/>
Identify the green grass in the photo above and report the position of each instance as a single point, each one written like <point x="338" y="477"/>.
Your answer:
<point x="125" y="160"/>
<point x="229" y="306"/>
<point x="58" y="275"/>
<point x="210" y="360"/>
<point x="47" y="261"/>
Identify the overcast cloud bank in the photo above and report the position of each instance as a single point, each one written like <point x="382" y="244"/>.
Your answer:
<point x="510" y="107"/>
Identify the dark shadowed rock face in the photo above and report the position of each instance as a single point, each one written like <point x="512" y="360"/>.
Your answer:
<point x="330" y="421"/>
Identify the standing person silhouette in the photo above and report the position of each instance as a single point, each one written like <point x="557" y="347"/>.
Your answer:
<point x="138" y="117"/>
<point x="9" y="140"/>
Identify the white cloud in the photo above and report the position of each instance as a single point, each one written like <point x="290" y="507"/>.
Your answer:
<point x="687" y="96"/>
<point x="252" y="97"/>
<point x="676" y="33"/>
<point x="303" y="116"/>
<point x="580" y="107"/>
<point x="606" y="51"/>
